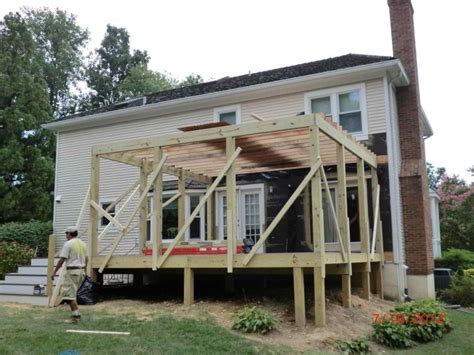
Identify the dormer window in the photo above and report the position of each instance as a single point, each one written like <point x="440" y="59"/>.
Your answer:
<point x="228" y="114"/>
<point x="346" y="105"/>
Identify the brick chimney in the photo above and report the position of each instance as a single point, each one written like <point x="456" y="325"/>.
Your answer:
<point x="413" y="179"/>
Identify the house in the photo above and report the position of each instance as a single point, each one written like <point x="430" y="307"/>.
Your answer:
<point x="375" y="99"/>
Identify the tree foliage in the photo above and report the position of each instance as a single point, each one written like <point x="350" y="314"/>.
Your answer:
<point x="434" y="175"/>
<point x="26" y="169"/>
<point x="142" y="81"/>
<point x="60" y="44"/>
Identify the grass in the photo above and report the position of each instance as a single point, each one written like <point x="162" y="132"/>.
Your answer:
<point x="36" y="330"/>
<point x="459" y="341"/>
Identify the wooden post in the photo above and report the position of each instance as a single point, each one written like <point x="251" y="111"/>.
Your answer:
<point x="51" y="253"/>
<point x="143" y="208"/>
<point x="298" y="287"/>
<point x="318" y="233"/>
<point x="378" y="272"/>
<point x="231" y="205"/>
<point x="307" y="217"/>
<point x="343" y="225"/>
<point x="364" y="226"/>
<point x="210" y="217"/>
<point x="182" y="199"/>
<point x="157" y="207"/>
<point x="93" y="215"/>
<point x="188" y="286"/>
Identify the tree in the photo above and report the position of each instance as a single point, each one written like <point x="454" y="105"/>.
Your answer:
<point x="111" y="65"/>
<point x="60" y="43"/>
<point x="434" y="175"/>
<point x="142" y="81"/>
<point x="26" y="170"/>
<point x="191" y="79"/>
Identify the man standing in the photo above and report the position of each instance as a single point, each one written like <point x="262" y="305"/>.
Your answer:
<point x="74" y="255"/>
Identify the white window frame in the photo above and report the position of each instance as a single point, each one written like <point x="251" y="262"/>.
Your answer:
<point x="202" y="214"/>
<point x="333" y="94"/>
<point x="226" y="109"/>
<point x="107" y="201"/>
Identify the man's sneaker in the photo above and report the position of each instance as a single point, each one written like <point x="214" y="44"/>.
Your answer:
<point x="73" y="320"/>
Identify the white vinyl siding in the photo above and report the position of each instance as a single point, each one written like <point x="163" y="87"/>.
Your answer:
<point x="74" y="151"/>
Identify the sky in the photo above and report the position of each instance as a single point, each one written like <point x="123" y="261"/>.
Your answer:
<point x="226" y="38"/>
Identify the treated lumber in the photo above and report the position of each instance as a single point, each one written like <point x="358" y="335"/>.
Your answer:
<point x="119" y="212"/>
<point x="51" y="253"/>
<point x="334" y="215"/>
<point x="307" y="217"/>
<point x="364" y="233"/>
<point x="298" y="288"/>
<point x="182" y="199"/>
<point x="134" y="213"/>
<point x="103" y="213"/>
<point x="231" y="205"/>
<point x="172" y="199"/>
<point x="198" y="208"/>
<point x="92" y="243"/>
<point x="54" y="297"/>
<point x="96" y="332"/>
<point x="257" y="117"/>
<point x="157" y="208"/>
<point x="319" y="297"/>
<point x="143" y="216"/>
<point x="283" y="211"/>
<point x="316" y="193"/>
<point x="188" y="286"/>
<point x="376" y="220"/>
<point x="201" y="178"/>
<point x="83" y="208"/>
<point x="210" y="217"/>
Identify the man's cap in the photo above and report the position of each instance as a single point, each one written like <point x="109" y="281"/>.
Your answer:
<point x="71" y="230"/>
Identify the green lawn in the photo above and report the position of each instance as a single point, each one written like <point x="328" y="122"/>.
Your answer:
<point x="37" y="330"/>
<point x="459" y="341"/>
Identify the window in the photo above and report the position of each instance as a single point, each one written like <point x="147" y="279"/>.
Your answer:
<point x="346" y="105"/>
<point x="229" y="114"/>
<point x="104" y="221"/>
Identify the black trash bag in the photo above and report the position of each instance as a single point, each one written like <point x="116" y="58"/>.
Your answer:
<point x="87" y="293"/>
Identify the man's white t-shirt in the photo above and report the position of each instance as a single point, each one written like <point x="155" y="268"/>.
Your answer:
<point x="74" y="251"/>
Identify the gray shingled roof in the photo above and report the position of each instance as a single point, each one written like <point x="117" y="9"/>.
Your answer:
<point x="227" y="83"/>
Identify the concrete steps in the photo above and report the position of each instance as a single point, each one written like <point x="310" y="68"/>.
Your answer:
<point x="24" y="285"/>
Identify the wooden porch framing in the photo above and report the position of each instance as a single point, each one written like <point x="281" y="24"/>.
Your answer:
<point x="220" y="154"/>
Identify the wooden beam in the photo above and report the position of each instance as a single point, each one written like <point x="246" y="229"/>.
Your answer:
<point x="283" y="211"/>
<point x="307" y="217"/>
<point x="319" y="297"/>
<point x="103" y="213"/>
<point x="257" y="117"/>
<point x="298" y="288"/>
<point x="376" y="220"/>
<point x="157" y="208"/>
<point x="343" y="221"/>
<point x="210" y="216"/>
<point x="198" y="208"/>
<point x="133" y="214"/>
<point x="118" y="213"/>
<point x="51" y="254"/>
<point x="363" y="212"/>
<point x="231" y="205"/>
<point x="121" y="157"/>
<point x="201" y="178"/>
<point x="143" y="216"/>
<point x="182" y="199"/>
<point x="375" y="186"/>
<point x="334" y="215"/>
<point x="188" y="286"/>
<point x="57" y="288"/>
<point x="93" y="214"/>
<point x="172" y="199"/>
<point x="343" y="138"/>
<point x="83" y="208"/>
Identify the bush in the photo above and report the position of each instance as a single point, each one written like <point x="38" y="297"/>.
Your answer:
<point x="358" y="345"/>
<point x="456" y="259"/>
<point x="11" y="255"/>
<point x="461" y="290"/>
<point x="253" y="320"/>
<point x="33" y="234"/>
<point x="418" y="321"/>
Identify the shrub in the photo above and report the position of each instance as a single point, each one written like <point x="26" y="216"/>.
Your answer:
<point x="11" y="255"/>
<point x="456" y="259"/>
<point x="253" y="320"/>
<point x="33" y="234"/>
<point x="358" y="345"/>
<point x="418" y="321"/>
<point x="461" y="290"/>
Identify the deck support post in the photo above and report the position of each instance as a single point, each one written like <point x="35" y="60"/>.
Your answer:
<point x="343" y="225"/>
<point x="378" y="275"/>
<point x="210" y="217"/>
<point x="143" y="216"/>
<point x="231" y="205"/>
<point x="318" y="232"/>
<point x="51" y="253"/>
<point x="182" y="198"/>
<point x="157" y="207"/>
<point x="188" y="286"/>
<point x="364" y="226"/>
<point x="298" y="287"/>
<point x="92" y="243"/>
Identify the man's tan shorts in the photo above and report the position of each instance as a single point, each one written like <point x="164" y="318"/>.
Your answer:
<point x="72" y="281"/>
